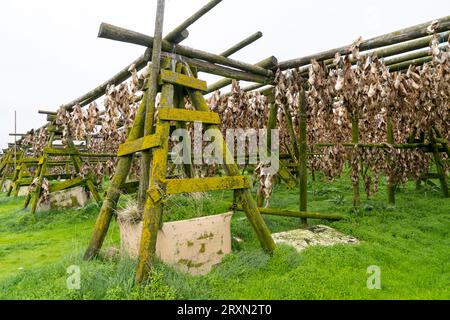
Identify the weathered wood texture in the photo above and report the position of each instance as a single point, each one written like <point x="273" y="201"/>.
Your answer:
<point x="296" y="214"/>
<point x="112" y="32"/>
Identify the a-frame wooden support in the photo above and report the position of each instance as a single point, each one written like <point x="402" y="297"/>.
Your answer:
<point x="10" y="159"/>
<point x="41" y="171"/>
<point x="173" y="86"/>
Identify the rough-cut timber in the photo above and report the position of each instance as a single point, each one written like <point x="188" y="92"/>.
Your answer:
<point x="150" y="107"/>
<point x="112" y="32"/>
<point x="178" y="186"/>
<point x="303" y="158"/>
<point x="295" y="214"/>
<point x="182" y="80"/>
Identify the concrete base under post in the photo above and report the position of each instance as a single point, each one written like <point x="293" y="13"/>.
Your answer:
<point x="192" y="246"/>
<point x="66" y="199"/>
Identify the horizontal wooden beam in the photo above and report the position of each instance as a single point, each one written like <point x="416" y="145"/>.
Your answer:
<point x="395" y="37"/>
<point x="78" y="181"/>
<point x="183" y="115"/>
<point x="296" y="214"/>
<point x="112" y="32"/>
<point x="178" y="35"/>
<point x="182" y="80"/>
<point x="178" y="186"/>
<point x="268" y="63"/>
<point x="211" y="68"/>
<point x="142" y="144"/>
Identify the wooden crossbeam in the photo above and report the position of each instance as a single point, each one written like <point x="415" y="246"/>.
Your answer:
<point x="24" y="182"/>
<point x="78" y="181"/>
<point x="30" y="160"/>
<point x="183" y="115"/>
<point x="296" y="214"/>
<point x="182" y="80"/>
<point x="177" y="186"/>
<point x="60" y="152"/>
<point x="138" y="145"/>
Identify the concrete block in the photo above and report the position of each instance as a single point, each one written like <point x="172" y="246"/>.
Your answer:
<point x="192" y="246"/>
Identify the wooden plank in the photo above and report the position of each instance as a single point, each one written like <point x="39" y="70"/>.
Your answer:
<point x="177" y="186"/>
<point x="24" y="182"/>
<point x="67" y="184"/>
<point x="138" y="145"/>
<point x="183" y="115"/>
<point x="30" y="160"/>
<point x="182" y="80"/>
<point x="60" y="152"/>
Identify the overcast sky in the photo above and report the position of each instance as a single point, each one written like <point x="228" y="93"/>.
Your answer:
<point x="50" y="53"/>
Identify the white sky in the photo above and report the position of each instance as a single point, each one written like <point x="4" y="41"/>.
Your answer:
<point x="50" y="53"/>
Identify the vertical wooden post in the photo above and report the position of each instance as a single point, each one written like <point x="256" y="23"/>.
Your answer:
<point x="179" y="103"/>
<point x="355" y="140"/>
<point x="303" y="159"/>
<point x="113" y="193"/>
<point x="153" y="209"/>
<point x="391" y="141"/>
<point x="151" y="101"/>
<point x="439" y="167"/>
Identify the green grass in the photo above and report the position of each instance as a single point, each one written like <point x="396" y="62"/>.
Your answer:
<point x="410" y="243"/>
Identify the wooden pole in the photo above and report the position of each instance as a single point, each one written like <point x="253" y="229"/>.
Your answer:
<point x="406" y="64"/>
<point x="111" y="32"/>
<point x="391" y="182"/>
<point x="439" y="166"/>
<point x="268" y="63"/>
<point x="395" y="37"/>
<point x="208" y="67"/>
<point x="295" y="214"/>
<point x="151" y="93"/>
<point x="179" y="103"/>
<point x="355" y="182"/>
<point x="303" y="158"/>
<point x="153" y="210"/>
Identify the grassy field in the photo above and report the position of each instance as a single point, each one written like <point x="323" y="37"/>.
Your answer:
<point x="410" y="243"/>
